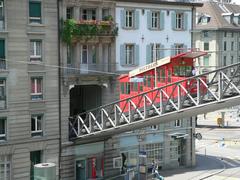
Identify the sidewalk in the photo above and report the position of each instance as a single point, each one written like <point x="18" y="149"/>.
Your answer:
<point x="206" y="167"/>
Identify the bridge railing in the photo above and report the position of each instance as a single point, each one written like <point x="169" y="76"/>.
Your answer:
<point x="204" y="88"/>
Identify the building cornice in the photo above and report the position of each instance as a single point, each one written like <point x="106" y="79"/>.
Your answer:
<point x="163" y="2"/>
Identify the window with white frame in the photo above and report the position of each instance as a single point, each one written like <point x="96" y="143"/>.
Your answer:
<point x="154" y="152"/>
<point x="224" y="60"/>
<point x="5" y="167"/>
<point x="3" y="97"/>
<point x="35" y="50"/>
<point x="173" y="150"/>
<point x="105" y="14"/>
<point x="154" y="127"/>
<point x="1" y="9"/>
<point x="225" y="34"/>
<point x="231" y="59"/>
<point x="179" y="48"/>
<point x="179" y="20"/>
<point x="84" y="54"/>
<point x="69" y="13"/>
<point x="206" y="60"/>
<point x="178" y="123"/>
<point x="155" y="20"/>
<point x="89" y="14"/>
<point x="129" y="19"/>
<point x="224" y="45"/>
<point x="89" y="53"/>
<point x="36" y="88"/>
<point x="117" y="162"/>
<point x="205" y="34"/>
<point x="129" y="54"/>
<point x="69" y="54"/>
<point x="3" y="129"/>
<point x="36" y="125"/>
<point x="232" y="46"/>
<point x="35" y="12"/>
<point x="1" y="14"/>
<point x="206" y="46"/>
<point x="155" y="52"/>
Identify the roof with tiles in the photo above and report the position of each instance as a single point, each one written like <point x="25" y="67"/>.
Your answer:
<point x="219" y="16"/>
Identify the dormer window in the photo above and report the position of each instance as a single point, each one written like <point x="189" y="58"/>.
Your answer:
<point x="228" y="17"/>
<point x="204" y="19"/>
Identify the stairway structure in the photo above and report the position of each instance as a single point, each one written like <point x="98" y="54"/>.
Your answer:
<point x="221" y="90"/>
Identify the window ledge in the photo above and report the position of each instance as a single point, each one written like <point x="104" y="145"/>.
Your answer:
<point x="32" y="62"/>
<point x="129" y="28"/>
<point x="37" y="32"/>
<point x="179" y="30"/>
<point x="37" y="137"/>
<point x="36" y="25"/>
<point x="155" y="29"/>
<point x="4" y="110"/>
<point x="129" y="65"/>
<point x="37" y="101"/>
<point x="4" y="71"/>
<point x="3" y="141"/>
<point x="4" y="32"/>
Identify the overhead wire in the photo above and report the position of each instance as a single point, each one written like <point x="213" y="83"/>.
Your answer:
<point x="40" y="63"/>
<point x="56" y="66"/>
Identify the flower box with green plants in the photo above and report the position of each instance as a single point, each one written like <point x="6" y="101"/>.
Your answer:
<point x="73" y="30"/>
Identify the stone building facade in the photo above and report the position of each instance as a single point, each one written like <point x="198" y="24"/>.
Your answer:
<point x="29" y="118"/>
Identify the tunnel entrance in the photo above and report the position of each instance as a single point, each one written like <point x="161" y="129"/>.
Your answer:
<point x="84" y="98"/>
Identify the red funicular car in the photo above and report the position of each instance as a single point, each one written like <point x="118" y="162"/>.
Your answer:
<point x="159" y="74"/>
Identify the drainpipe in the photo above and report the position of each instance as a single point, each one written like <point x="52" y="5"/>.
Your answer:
<point x="191" y="119"/>
<point x="59" y="93"/>
<point x="192" y="28"/>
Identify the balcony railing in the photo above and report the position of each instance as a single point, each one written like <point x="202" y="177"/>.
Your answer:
<point x="82" y="29"/>
<point x="90" y="69"/>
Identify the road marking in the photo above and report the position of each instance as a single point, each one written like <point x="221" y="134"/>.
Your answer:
<point x="222" y="177"/>
<point x="228" y="163"/>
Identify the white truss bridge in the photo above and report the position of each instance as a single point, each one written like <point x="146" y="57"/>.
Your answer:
<point x="222" y="90"/>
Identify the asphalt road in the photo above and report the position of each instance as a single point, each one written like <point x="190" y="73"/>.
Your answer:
<point x="217" y="155"/>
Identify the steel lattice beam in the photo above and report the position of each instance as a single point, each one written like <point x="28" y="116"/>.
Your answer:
<point x="222" y="89"/>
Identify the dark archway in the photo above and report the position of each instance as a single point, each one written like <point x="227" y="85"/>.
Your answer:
<point x="84" y="98"/>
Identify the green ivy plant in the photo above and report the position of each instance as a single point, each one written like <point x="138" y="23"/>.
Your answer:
<point x="71" y="29"/>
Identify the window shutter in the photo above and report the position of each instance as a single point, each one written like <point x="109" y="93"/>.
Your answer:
<point x="35" y="9"/>
<point x="162" y="17"/>
<point x="185" y="21"/>
<point x="149" y="19"/>
<point x="2" y="49"/>
<point x="173" y="50"/>
<point x="137" y="14"/>
<point x="162" y="51"/>
<point x="173" y="20"/>
<point x="148" y="54"/>
<point x="123" y="18"/>
<point x="122" y="55"/>
<point x="136" y="57"/>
